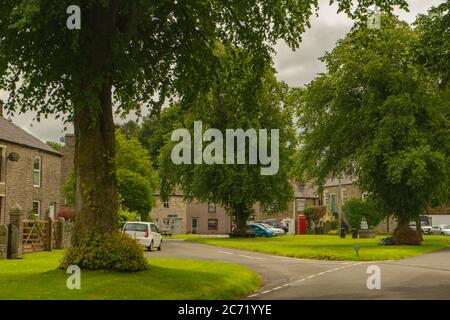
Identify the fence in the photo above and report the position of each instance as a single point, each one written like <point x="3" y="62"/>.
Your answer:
<point x="25" y="236"/>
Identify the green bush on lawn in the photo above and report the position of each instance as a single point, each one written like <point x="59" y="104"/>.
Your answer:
<point x="117" y="252"/>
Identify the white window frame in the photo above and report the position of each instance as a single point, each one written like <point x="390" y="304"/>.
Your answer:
<point x="37" y="171"/>
<point x="343" y="196"/>
<point x="2" y="164"/>
<point x="166" y="204"/>
<point x="297" y="201"/>
<point x="326" y="198"/>
<point x="365" y="195"/>
<point x="38" y="215"/>
<point x="212" y="205"/>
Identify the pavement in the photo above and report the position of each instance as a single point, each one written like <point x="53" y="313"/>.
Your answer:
<point x="423" y="277"/>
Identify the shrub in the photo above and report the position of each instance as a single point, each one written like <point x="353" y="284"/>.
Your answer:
<point x="126" y="215"/>
<point x="356" y="209"/>
<point x="333" y="232"/>
<point x="136" y="192"/>
<point x="114" y="251"/>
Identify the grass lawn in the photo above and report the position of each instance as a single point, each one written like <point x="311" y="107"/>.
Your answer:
<point x="330" y="247"/>
<point x="35" y="277"/>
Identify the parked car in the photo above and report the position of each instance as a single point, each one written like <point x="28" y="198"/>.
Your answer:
<point x="442" y="229"/>
<point x="276" y="231"/>
<point x="146" y="233"/>
<point x="274" y="223"/>
<point x="259" y="230"/>
<point x="426" y="229"/>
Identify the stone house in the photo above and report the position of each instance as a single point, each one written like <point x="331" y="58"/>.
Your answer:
<point x="30" y="173"/>
<point x="209" y="218"/>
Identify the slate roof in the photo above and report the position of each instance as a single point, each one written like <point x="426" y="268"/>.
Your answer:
<point x="11" y="133"/>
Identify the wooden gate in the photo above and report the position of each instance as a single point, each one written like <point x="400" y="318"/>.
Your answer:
<point x="36" y="236"/>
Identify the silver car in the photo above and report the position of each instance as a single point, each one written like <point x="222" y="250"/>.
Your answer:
<point x="442" y="229"/>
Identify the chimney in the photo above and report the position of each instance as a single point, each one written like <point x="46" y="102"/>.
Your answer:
<point x="1" y="108"/>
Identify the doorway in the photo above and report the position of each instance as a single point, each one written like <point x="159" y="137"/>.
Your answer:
<point x="194" y="225"/>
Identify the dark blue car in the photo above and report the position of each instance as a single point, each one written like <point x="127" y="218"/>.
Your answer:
<point x="259" y="231"/>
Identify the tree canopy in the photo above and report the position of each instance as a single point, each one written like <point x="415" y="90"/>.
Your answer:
<point x="378" y="116"/>
<point x="236" y="101"/>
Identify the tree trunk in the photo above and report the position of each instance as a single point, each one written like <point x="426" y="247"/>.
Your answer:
<point x="241" y="214"/>
<point x="419" y="228"/>
<point x="97" y="202"/>
<point x="403" y="234"/>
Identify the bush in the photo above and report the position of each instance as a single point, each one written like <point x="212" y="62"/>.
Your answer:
<point x="333" y="233"/>
<point x="356" y="209"/>
<point x="136" y="192"/>
<point x="114" y="251"/>
<point x="126" y="215"/>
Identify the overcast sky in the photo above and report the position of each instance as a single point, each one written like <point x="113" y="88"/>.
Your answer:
<point x="295" y="68"/>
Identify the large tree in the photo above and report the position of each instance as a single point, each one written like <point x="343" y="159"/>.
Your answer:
<point x="130" y="53"/>
<point x="378" y="116"/>
<point x="235" y="101"/>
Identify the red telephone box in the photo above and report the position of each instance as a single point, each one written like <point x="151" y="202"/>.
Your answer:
<point x="301" y="224"/>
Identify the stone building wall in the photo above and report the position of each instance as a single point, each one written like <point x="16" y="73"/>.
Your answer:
<point x="177" y="210"/>
<point x="19" y="187"/>
<point x="67" y="162"/>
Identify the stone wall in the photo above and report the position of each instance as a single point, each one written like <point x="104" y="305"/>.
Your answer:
<point x="3" y="241"/>
<point x="19" y="187"/>
<point x="67" y="162"/>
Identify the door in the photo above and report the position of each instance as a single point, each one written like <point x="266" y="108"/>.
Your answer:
<point x="194" y="225"/>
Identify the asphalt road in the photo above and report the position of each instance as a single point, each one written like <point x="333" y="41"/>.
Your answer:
<point x="424" y="277"/>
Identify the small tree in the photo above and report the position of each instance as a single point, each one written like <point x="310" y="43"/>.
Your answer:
<point x="355" y="209"/>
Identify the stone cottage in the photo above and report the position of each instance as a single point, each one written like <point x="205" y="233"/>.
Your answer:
<point x="30" y="173"/>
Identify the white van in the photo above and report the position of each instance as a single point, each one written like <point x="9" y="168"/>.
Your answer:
<point x="146" y="233"/>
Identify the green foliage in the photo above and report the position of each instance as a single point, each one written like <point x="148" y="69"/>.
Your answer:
<point x="126" y="215"/>
<point x="377" y="116"/>
<point x="55" y="145"/>
<point x="236" y="100"/>
<point x="136" y="178"/>
<point x="135" y="191"/>
<point x="114" y="251"/>
<point x="156" y="127"/>
<point x="69" y="191"/>
<point x="433" y="41"/>
<point x="132" y="156"/>
<point x="146" y="50"/>
<point x="355" y="209"/>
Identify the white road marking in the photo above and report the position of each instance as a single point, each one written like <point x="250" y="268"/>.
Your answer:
<point x="225" y="252"/>
<point x="251" y="257"/>
<point x="307" y="278"/>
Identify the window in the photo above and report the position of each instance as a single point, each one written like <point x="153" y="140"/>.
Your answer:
<point x="326" y="198"/>
<point x="211" y="208"/>
<point x="166" y="204"/>
<point x="365" y="195"/>
<point x="37" y="171"/>
<point x="166" y="223"/>
<point x="213" y="224"/>
<point x="300" y="205"/>
<point x="2" y="164"/>
<point x="36" y="211"/>
<point x="343" y="196"/>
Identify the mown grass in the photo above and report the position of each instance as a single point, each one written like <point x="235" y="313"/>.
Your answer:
<point x="330" y="247"/>
<point x="36" y="277"/>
